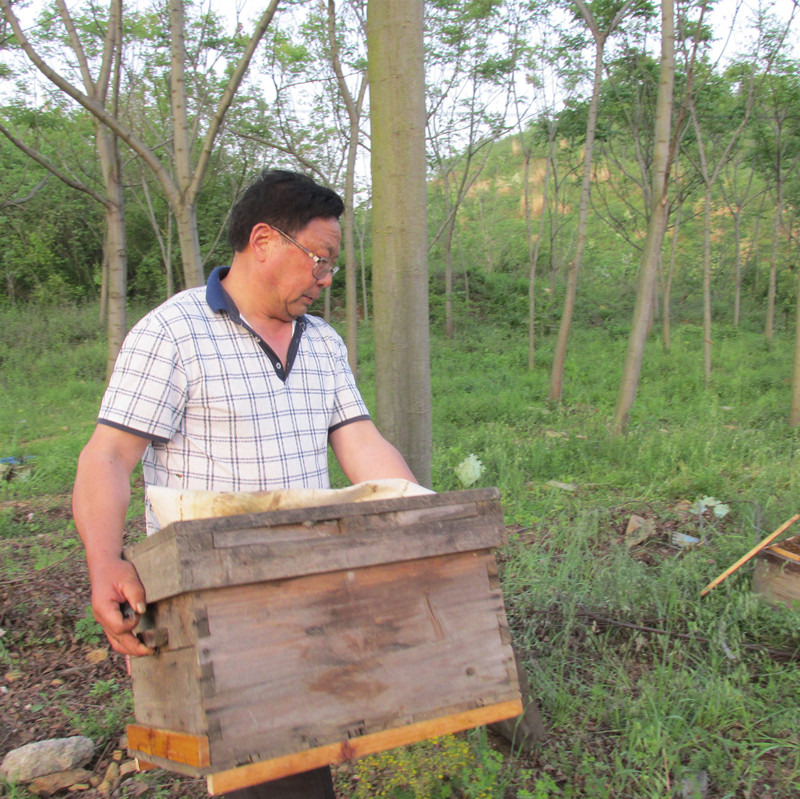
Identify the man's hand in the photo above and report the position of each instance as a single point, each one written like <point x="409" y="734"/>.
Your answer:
<point x="115" y="584"/>
<point x="99" y="503"/>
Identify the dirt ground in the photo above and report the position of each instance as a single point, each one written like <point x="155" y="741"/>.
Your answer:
<point x="58" y="677"/>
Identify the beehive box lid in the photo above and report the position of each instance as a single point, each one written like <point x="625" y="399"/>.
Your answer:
<point x="256" y="547"/>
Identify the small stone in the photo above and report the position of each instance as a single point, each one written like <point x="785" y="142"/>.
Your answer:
<point x="97" y="656"/>
<point x="46" y="757"/>
<point x="52" y="783"/>
<point x="117" y="755"/>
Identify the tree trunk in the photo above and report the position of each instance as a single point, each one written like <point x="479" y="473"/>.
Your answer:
<point x="192" y="260"/>
<point x="707" y="285"/>
<point x="737" y="265"/>
<point x="400" y="263"/>
<point x="116" y="251"/>
<point x="447" y="244"/>
<point x="559" y="357"/>
<point x="354" y="108"/>
<point x="533" y="249"/>
<point x="526" y="199"/>
<point x="773" y="264"/>
<point x="364" y="296"/>
<point x="666" y="299"/>
<point x="656" y="225"/>
<point x="794" y="418"/>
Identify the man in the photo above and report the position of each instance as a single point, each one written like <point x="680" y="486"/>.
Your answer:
<point x="231" y="387"/>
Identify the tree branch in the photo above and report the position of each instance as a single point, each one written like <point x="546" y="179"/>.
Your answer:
<point x="50" y="167"/>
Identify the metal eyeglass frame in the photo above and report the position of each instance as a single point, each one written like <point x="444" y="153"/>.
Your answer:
<point x="321" y="265"/>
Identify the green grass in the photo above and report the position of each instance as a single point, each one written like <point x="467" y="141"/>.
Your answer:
<point x="642" y="683"/>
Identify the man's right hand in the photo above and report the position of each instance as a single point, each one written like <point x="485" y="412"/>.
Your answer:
<point x="99" y="503"/>
<point x="115" y="584"/>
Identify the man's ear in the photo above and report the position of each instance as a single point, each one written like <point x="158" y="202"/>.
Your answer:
<point x="261" y="237"/>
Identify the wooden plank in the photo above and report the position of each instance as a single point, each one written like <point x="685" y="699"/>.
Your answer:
<point x="155" y="563"/>
<point x="309" y="661"/>
<point x="177" y="747"/>
<point x="166" y="691"/>
<point x="235" y="550"/>
<point x="321" y="513"/>
<point x="340" y="752"/>
<point x="388" y="542"/>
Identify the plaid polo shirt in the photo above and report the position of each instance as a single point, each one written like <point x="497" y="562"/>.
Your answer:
<point x="220" y="410"/>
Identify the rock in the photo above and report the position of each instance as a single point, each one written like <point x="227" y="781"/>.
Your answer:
<point x="97" y="656"/>
<point x="46" y="757"/>
<point x="52" y="783"/>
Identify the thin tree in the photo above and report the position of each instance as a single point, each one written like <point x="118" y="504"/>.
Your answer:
<point x="656" y="225"/>
<point x="601" y="29"/>
<point x="738" y="194"/>
<point x="715" y="139"/>
<point x="794" y="415"/>
<point x="103" y="91"/>
<point x="778" y="156"/>
<point x="354" y="105"/>
<point x="190" y="162"/>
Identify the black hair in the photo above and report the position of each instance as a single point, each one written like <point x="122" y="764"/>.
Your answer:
<point x="287" y="200"/>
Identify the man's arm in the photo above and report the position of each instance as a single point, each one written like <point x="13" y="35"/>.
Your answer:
<point x="364" y="454"/>
<point x="99" y="503"/>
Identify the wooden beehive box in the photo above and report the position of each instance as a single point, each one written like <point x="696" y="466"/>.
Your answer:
<point x="298" y="638"/>
<point x="777" y="573"/>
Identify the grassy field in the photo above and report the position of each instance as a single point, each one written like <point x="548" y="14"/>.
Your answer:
<point x="647" y="689"/>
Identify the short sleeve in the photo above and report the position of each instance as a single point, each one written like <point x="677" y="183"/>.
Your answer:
<point x="147" y="391"/>
<point x="348" y="404"/>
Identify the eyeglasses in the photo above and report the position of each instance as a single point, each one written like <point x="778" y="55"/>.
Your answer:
<point x="322" y="266"/>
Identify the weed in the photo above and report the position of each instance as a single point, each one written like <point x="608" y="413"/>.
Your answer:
<point x="87" y="630"/>
<point x="13" y="790"/>
<point x="102" y="722"/>
<point x="450" y="766"/>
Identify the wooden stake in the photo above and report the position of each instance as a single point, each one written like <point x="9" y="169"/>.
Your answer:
<point x="754" y="551"/>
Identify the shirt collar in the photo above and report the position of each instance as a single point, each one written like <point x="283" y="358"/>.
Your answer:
<point x="219" y="300"/>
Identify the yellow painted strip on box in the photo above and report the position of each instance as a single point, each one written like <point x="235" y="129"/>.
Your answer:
<point x="267" y="770"/>
<point x="179" y="747"/>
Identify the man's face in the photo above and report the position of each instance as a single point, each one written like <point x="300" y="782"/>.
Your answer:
<point x="294" y="287"/>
